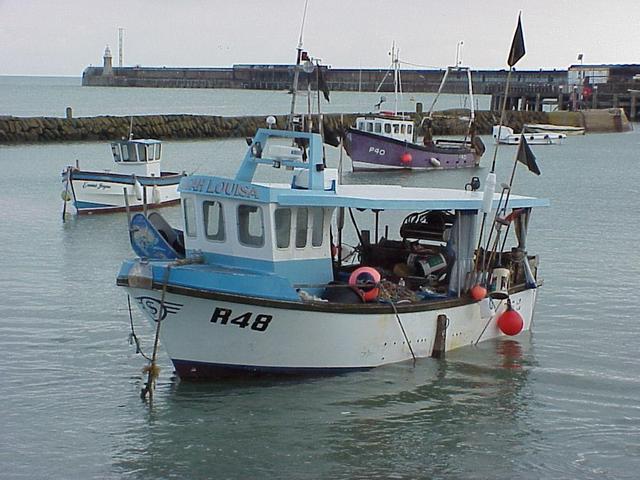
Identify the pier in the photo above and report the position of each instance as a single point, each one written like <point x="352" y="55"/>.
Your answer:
<point x="280" y="77"/>
<point x="579" y="87"/>
<point x="546" y="98"/>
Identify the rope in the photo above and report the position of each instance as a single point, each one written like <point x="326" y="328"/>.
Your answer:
<point x="404" y="333"/>
<point x="488" y="321"/>
<point x="403" y="62"/>
<point x="133" y="338"/>
<point x="152" y="369"/>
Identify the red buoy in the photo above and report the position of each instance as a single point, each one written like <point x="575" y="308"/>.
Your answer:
<point x="478" y="292"/>
<point x="406" y="158"/>
<point x="510" y="322"/>
<point x="361" y="278"/>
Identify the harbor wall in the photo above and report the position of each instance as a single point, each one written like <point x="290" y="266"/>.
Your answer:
<point x="280" y="77"/>
<point x="601" y="120"/>
<point x="104" y="128"/>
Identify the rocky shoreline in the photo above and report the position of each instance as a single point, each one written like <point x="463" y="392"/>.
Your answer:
<point x="18" y="130"/>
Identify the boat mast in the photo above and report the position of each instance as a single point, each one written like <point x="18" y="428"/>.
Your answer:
<point x="516" y="52"/>
<point x="397" y="82"/>
<point x="296" y="72"/>
<point x="444" y="80"/>
<point x="472" y="107"/>
<point x="396" y="74"/>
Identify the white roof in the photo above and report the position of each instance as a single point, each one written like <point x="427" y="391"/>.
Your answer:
<point x="394" y="197"/>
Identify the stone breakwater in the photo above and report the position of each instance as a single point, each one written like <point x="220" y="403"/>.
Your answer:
<point x="105" y="128"/>
<point x="54" y="129"/>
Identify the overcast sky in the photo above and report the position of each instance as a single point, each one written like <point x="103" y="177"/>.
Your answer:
<point x="62" y="37"/>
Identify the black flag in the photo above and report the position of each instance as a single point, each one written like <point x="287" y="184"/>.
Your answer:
<point x="322" y="85"/>
<point x="517" y="46"/>
<point x="526" y="156"/>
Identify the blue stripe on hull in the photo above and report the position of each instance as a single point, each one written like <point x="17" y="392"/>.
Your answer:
<point x="90" y="207"/>
<point x="81" y="205"/>
<point x="190" y="370"/>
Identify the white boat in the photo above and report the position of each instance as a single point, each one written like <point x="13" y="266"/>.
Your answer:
<point x="548" y="128"/>
<point x="264" y="285"/>
<point x="503" y="134"/>
<point x="134" y="180"/>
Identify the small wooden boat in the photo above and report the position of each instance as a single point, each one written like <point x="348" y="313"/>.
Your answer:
<point x="505" y="135"/>
<point x="135" y="180"/>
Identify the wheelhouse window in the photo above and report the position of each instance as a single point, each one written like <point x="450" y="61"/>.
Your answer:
<point x="369" y="126"/>
<point x="302" y="226"/>
<point x="142" y="152"/>
<point x="387" y="128"/>
<point x="131" y="155"/>
<point x="396" y="128"/>
<point x="213" y="221"/>
<point x="189" y="216"/>
<point x="283" y="227"/>
<point x="250" y="226"/>
<point x="125" y="153"/>
<point x="409" y="129"/>
<point x="378" y="128"/>
<point x="402" y="128"/>
<point x="115" y="150"/>
<point x="158" y="148"/>
<point x="317" y="233"/>
<point x="361" y="126"/>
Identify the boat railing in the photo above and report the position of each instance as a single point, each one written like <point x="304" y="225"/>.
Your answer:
<point x="310" y="157"/>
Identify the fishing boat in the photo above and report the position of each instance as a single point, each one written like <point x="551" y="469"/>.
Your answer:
<point x="388" y="139"/>
<point x="261" y="280"/>
<point x="134" y="181"/>
<point x="503" y="134"/>
<point x="548" y="128"/>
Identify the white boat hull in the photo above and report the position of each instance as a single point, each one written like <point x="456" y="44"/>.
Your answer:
<point x="104" y="195"/>
<point x="557" y="129"/>
<point x="533" y="139"/>
<point x="504" y="135"/>
<point x="205" y="337"/>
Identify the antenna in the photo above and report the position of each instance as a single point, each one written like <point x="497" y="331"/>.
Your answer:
<point x="120" y="37"/>
<point x="296" y="72"/>
<point x="459" y="53"/>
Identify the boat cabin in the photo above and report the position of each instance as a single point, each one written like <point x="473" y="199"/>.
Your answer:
<point x="388" y="125"/>
<point x="246" y="225"/>
<point x="141" y="157"/>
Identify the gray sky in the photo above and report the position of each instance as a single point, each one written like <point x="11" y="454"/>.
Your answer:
<point x="62" y="37"/>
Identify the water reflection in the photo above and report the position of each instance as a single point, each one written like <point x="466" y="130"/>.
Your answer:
<point x="391" y="422"/>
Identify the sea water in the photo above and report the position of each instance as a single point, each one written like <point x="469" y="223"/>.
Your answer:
<point x="561" y="403"/>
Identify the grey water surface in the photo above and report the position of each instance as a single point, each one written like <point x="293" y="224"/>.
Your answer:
<point x="560" y="403"/>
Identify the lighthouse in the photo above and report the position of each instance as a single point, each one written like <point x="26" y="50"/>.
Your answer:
<point x="107" y="68"/>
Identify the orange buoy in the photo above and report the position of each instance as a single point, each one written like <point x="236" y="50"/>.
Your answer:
<point x="478" y="292"/>
<point x="366" y="280"/>
<point x="510" y="322"/>
<point x="406" y="158"/>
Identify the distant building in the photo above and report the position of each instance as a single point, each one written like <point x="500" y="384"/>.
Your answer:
<point x="601" y="74"/>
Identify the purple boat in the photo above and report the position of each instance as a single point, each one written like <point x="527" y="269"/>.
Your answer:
<point x="386" y="141"/>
